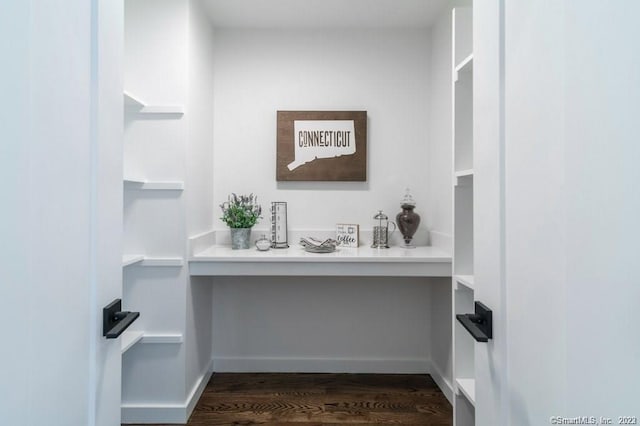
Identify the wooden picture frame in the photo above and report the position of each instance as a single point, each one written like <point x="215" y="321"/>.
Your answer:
<point x="328" y="146"/>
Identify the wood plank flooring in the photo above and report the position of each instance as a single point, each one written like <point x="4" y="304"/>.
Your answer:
<point x="321" y="399"/>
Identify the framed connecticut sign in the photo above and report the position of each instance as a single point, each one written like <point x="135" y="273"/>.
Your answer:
<point x="322" y="146"/>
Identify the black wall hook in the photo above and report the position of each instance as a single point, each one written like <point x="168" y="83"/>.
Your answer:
<point x="115" y="321"/>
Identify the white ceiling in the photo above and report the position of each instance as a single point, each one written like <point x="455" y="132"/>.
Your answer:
<point x="323" y="13"/>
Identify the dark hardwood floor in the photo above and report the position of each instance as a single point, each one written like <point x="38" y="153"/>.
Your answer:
<point x="321" y="399"/>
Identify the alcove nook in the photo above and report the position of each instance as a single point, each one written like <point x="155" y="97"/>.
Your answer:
<point x="203" y="83"/>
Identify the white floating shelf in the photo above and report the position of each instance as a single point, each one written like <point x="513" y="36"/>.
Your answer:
<point x="294" y="261"/>
<point x="468" y="388"/>
<point x="128" y="339"/>
<point x="138" y="259"/>
<point x="141" y="107"/>
<point x="162" y="338"/>
<point x="132" y="101"/>
<point x="463" y="173"/>
<point x="153" y="185"/>
<point x="465" y="66"/>
<point x="464" y="178"/>
<point x="465" y="280"/>
<point x="131" y="259"/>
<point x="162" y="109"/>
<point x="162" y="261"/>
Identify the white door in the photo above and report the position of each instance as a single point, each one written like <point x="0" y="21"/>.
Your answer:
<point x="60" y="233"/>
<point x="558" y="101"/>
<point x="489" y="258"/>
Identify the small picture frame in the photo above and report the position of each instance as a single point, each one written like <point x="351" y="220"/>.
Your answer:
<point x="348" y="235"/>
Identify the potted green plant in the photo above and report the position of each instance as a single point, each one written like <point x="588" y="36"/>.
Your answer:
<point x="240" y="213"/>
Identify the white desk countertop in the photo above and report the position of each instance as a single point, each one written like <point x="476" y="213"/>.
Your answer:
<point x="294" y="261"/>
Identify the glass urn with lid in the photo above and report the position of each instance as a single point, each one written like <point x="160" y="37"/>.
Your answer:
<point x="408" y="220"/>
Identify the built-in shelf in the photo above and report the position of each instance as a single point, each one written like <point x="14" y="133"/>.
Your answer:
<point x="294" y="261"/>
<point x="137" y="184"/>
<point x="136" y="259"/>
<point x="463" y="288"/>
<point x="465" y="280"/>
<point x="162" y="261"/>
<point x="465" y="66"/>
<point x="131" y="259"/>
<point x="467" y="387"/>
<point x="141" y="107"/>
<point x="162" y="338"/>
<point x="129" y="338"/>
<point x="131" y="101"/>
<point x="464" y="178"/>
<point x="463" y="173"/>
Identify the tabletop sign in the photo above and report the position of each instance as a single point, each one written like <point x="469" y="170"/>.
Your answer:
<point x="322" y="146"/>
<point x="348" y="235"/>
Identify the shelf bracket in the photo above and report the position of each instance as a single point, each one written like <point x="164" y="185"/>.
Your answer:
<point x="478" y="324"/>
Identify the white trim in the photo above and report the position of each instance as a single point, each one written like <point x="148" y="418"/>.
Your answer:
<point x="167" y="413"/>
<point x="466" y="280"/>
<point x="199" y="242"/>
<point x="294" y="261"/>
<point x="129" y="338"/>
<point x="467" y="387"/>
<point x="142" y="184"/>
<point x="153" y="413"/>
<point x="132" y="101"/>
<point x="198" y="388"/>
<point x="131" y="259"/>
<point x="162" y="338"/>
<point x="140" y="260"/>
<point x="162" y="261"/>
<point x="442" y="381"/>
<point x="223" y="364"/>
<point x="163" y="109"/>
<point x="464" y="173"/>
<point x="135" y="103"/>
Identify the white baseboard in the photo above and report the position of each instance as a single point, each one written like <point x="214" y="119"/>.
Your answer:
<point x="153" y="413"/>
<point x="320" y="365"/>
<point x="198" y="388"/>
<point x="443" y="382"/>
<point x="167" y="413"/>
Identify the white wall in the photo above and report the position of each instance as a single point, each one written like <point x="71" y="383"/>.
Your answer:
<point x="154" y="221"/>
<point x="319" y="324"/>
<point x="168" y="62"/>
<point x="198" y="189"/>
<point x="385" y="72"/>
<point x="439" y="196"/>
